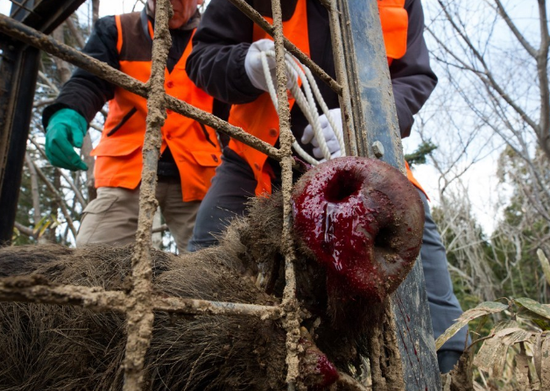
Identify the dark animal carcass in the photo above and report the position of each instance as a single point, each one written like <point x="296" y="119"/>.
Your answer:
<point x="347" y="201"/>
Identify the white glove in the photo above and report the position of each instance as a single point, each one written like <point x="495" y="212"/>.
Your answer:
<point x="328" y="133"/>
<point x="255" y="70"/>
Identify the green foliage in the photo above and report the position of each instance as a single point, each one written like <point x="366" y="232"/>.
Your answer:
<point x="420" y="154"/>
<point x="524" y="229"/>
<point x="507" y="262"/>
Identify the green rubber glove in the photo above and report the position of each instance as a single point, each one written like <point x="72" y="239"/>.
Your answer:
<point x="66" y="130"/>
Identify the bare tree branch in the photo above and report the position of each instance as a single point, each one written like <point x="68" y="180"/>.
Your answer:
<point x="528" y="48"/>
<point x="70" y="181"/>
<point x="34" y="189"/>
<point x="60" y="200"/>
<point x="24" y="230"/>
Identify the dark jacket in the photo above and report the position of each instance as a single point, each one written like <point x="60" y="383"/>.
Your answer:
<point x="224" y="36"/>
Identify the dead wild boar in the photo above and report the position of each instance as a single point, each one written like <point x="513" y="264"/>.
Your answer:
<point x="345" y="202"/>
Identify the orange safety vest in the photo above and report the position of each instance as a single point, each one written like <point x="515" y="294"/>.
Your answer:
<point x="260" y="119"/>
<point x="195" y="148"/>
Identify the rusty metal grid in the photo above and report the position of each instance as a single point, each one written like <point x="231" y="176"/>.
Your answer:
<point x="140" y="303"/>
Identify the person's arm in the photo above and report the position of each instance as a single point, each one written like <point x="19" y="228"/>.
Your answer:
<point x="220" y="45"/>
<point x="412" y="77"/>
<point x="84" y="92"/>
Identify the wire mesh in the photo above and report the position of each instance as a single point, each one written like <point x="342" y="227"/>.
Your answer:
<point x="140" y="304"/>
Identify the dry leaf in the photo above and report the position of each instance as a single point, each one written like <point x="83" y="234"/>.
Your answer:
<point x="522" y="371"/>
<point x="544" y="375"/>
<point x="485" y="308"/>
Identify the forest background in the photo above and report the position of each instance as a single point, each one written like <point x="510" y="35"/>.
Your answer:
<point x="480" y="146"/>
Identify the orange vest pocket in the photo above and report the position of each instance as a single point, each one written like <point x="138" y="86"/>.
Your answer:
<point x="206" y="159"/>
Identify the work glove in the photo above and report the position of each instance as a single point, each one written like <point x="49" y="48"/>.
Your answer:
<point x="328" y="133"/>
<point x="66" y="130"/>
<point x="255" y="70"/>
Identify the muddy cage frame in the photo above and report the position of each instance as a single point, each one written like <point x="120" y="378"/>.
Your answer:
<point x="371" y="130"/>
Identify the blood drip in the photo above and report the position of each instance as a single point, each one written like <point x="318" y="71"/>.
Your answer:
<point x="341" y="230"/>
<point x="328" y="372"/>
<point x="321" y="373"/>
<point x="350" y="225"/>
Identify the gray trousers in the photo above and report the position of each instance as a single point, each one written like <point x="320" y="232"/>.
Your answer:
<point x="112" y="218"/>
<point x="234" y="183"/>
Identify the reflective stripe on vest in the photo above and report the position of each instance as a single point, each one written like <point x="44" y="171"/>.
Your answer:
<point x="195" y="150"/>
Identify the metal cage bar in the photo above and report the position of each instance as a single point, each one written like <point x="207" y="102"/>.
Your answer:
<point x="368" y="102"/>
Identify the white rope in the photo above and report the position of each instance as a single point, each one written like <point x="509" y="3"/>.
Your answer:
<point x="309" y="108"/>
<point x="271" y="89"/>
<point x="325" y="109"/>
<point x="306" y="101"/>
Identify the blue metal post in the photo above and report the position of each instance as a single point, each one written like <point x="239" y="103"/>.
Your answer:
<point x="376" y="130"/>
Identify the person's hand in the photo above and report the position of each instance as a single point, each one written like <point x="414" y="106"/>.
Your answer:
<point x="255" y="70"/>
<point x="66" y="130"/>
<point x="328" y="133"/>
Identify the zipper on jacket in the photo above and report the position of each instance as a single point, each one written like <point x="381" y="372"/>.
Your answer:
<point x="122" y="122"/>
